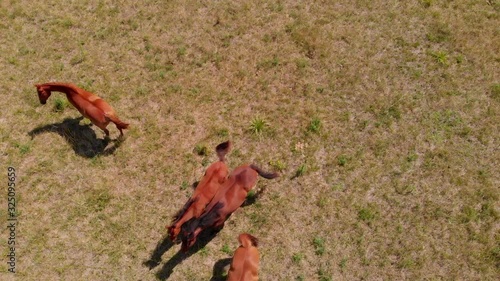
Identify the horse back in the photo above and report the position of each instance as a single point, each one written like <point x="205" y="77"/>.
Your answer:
<point x="87" y="109"/>
<point x="234" y="198"/>
<point x="96" y="101"/>
<point x="245" y="265"/>
<point x="233" y="192"/>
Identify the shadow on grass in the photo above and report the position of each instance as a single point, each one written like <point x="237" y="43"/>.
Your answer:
<point x="163" y="246"/>
<point x="252" y="198"/>
<point x="220" y="272"/>
<point x="82" y="138"/>
<point x="168" y="268"/>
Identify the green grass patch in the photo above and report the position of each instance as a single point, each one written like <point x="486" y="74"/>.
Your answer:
<point x="297" y="257"/>
<point x="258" y="126"/>
<point x="226" y="249"/>
<point x="324" y="275"/>
<point x="98" y="200"/>
<point x="201" y="150"/>
<point x="342" y="160"/>
<point x="319" y="245"/>
<point x="367" y="214"/>
<point x="278" y="165"/>
<point x="495" y="91"/>
<point x="60" y="103"/>
<point x="301" y="170"/>
<point x="441" y="57"/>
<point x="314" y="126"/>
<point x="184" y="185"/>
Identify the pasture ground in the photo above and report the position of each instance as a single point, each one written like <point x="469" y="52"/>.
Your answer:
<point x="382" y="116"/>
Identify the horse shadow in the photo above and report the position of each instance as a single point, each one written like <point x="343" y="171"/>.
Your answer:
<point x="168" y="268"/>
<point x="82" y="138"/>
<point x="252" y="198"/>
<point x="162" y="247"/>
<point x="220" y="270"/>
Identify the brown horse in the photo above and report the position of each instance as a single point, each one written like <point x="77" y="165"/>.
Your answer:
<point x="215" y="175"/>
<point x="89" y="105"/>
<point x="245" y="263"/>
<point x="228" y="198"/>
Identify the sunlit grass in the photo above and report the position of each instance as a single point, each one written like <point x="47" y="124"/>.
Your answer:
<point x="381" y="118"/>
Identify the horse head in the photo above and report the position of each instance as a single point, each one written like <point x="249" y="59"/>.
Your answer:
<point x="246" y="240"/>
<point x="43" y="94"/>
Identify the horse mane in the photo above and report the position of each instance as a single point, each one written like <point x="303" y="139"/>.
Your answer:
<point x="62" y="84"/>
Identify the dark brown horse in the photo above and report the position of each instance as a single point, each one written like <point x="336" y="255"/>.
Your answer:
<point x="228" y="198"/>
<point x="245" y="263"/>
<point x="89" y="105"/>
<point x="215" y="175"/>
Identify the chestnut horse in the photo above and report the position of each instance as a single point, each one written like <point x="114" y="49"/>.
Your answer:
<point x="245" y="263"/>
<point x="228" y="198"/>
<point x="215" y="175"/>
<point x="89" y="105"/>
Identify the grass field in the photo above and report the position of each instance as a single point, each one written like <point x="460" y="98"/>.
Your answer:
<point x="381" y="116"/>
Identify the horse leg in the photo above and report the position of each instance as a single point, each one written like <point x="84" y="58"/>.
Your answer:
<point x="102" y="126"/>
<point x="195" y="235"/>
<point x="106" y="131"/>
<point x="217" y="228"/>
<point x="189" y="240"/>
<point x="175" y="228"/>
<point x="119" y="129"/>
<point x="173" y="232"/>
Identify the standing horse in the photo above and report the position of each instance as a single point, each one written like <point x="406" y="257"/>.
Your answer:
<point x="228" y="198"/>
<point x="89" y="105"/>
<point x="245" y="263"/>
<point x="215" y="175"/>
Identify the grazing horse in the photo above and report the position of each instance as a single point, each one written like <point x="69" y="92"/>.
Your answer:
<point x="89" y="105"/>
<point x="228" y="198"/>
<point x="215" y="175"/>
<point x="245" y="264"/>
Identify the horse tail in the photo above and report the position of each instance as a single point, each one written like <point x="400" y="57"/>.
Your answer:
<point x="222" y="149"/>
<point x="247" y="240"/>
<point x="266" y="175"/>
<point x="119" y="124"/>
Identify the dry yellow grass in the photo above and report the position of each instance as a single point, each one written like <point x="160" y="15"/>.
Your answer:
<point x="383" y="117"/>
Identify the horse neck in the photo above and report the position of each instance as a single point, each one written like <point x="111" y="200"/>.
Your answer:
<point x="60" y="87"/>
